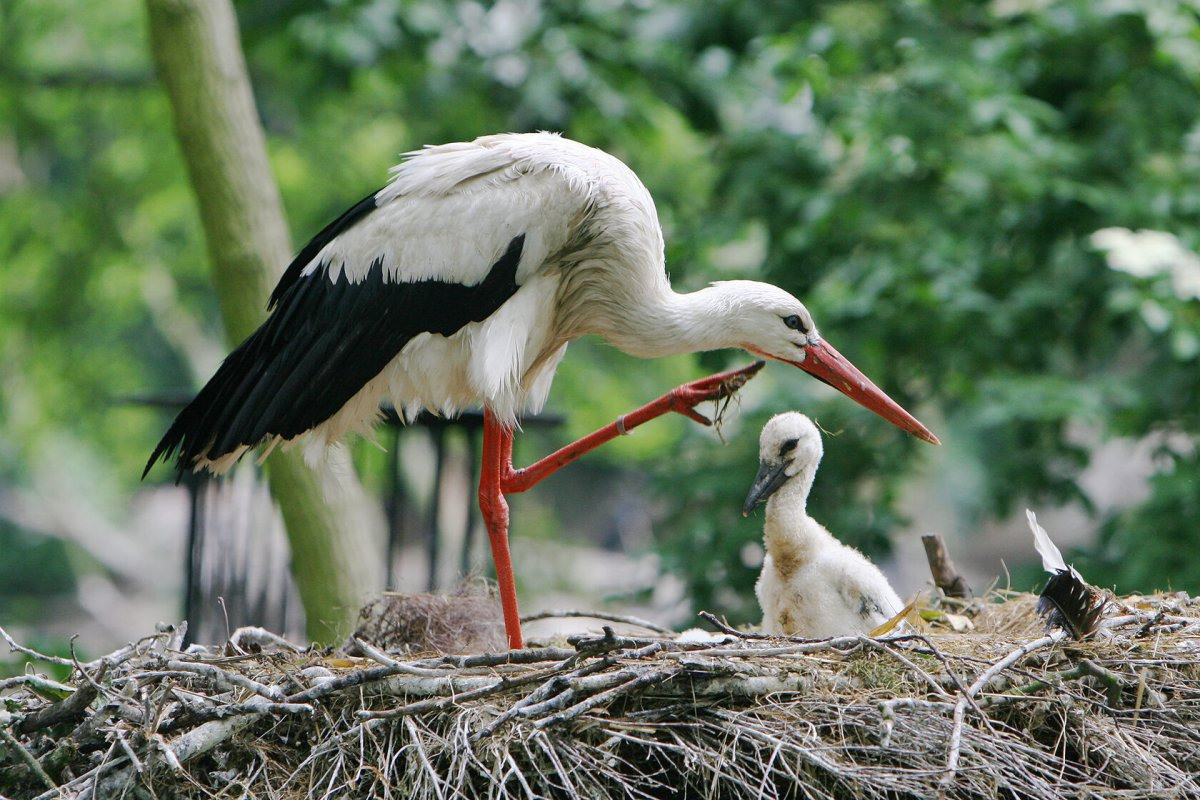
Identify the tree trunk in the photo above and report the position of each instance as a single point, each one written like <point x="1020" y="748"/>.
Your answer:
<point x="199" y="59"/>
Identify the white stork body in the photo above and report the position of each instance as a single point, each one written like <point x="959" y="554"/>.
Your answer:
<point x="811" y="584"/>
<point x="460" y="283"/>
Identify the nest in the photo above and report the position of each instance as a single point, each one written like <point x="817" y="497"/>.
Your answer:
<point x="1003" y="710"/>
<point x="468" y="621"/>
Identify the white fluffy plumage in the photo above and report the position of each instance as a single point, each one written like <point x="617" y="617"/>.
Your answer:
<point x="811" y="584"/>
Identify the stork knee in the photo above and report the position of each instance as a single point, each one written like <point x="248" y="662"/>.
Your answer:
<point x="495" y="510"/>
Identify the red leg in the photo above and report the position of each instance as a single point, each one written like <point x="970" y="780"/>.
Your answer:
<point x="497" y="462"/>
<point x="681" y="400"/>
<point x="497" y="476"/>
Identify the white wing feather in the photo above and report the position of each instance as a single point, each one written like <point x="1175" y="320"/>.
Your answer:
<point x="1052" y="560"/>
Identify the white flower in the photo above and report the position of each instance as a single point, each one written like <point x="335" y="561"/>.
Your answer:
<point x="1147" y="254"/>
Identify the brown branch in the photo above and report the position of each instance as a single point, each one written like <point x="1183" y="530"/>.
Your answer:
<point x="724" y="627"/>
<point x="72" y="709"/>
<point x="621" y="618"/>
<point x="27" y="758"/>
<point x="627" y="687"/>
<point x="945" y="574"/>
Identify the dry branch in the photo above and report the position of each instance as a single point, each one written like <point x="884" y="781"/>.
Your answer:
<point x="945" y="575"/>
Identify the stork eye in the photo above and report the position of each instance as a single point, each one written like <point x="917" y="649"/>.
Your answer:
<point x="788" y="446"/>
<point x="794" y="322"/>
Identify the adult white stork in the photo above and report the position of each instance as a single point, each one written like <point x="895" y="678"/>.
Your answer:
<point x="460" y="283"/>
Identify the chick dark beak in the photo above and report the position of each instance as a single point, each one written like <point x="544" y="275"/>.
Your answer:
<point x="769" y="478"/>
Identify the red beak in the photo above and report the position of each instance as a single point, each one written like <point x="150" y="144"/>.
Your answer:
<point x="827" y="364"/>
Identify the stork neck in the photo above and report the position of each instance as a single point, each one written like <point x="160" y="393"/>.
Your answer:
<point x="788" y="527"/>
<point x="671" y="323"/>
<point x="792" y="496"/>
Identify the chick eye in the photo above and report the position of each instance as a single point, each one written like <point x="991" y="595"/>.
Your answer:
<point x="794" y="322"/>
<point x="788" y="446"/>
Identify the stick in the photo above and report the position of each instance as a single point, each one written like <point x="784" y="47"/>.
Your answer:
<point x="968" y="697"/>
<point x="69" y="710"/>
<point x="632" y="685"/>
<point x="626" y="620"/>
<point x="945" y="574"/>
<point x="227" y="678"/>
<point x="27" y="758"/>
<point x="557" y="684"/>
<point x="253" y="635"/>
<point x="439" y="703"/>
<point x="191" y="744"/>
<point x="16" y="648"/>
<point x="724" y="627"/>
<point x="530" y="655"/>
<point x="383" y="658"/>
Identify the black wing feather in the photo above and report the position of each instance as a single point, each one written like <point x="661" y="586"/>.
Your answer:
<point x="323" y="341"/>
<point x="309" y="251"/>
<point x="1071" y="603"/>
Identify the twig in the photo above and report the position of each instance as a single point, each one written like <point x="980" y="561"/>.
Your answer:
<point x="17" y="648"/>
<point x="28" y="759"/>
<point x="628" y="687"/>
<point x="530" y="655"/>
<point x="252" y="706"/>
<point x="556" y="685"/>
<point x="347" y="681"/>
<point x="254" y="635"/>
<point x="83" y="739"/>
<point x="1112" y="682"/>
<point x="945" y="574"/>
<point x="383" y="658"/>
<point x="375" y="654"/>
<point x="193" y="743"/>
<point x="586" y="645"/>
<point x="429" y="770"/>
<point x="133" y="759"/>
<point x="39" y="683"/>
<point x="624" y="619"/>
<point x="968" y="697"/>
<point x="894" y="653"/>
<point x="227" y="678"/>
<point x="454" y="699"/>
<point x="106" y="764"/>
<point x="93" y="682"/>
<point x="887" y="713"/>
<point x="586" y="685"/>
<point x="724" y="627"/>
<point x="69" y="710"/>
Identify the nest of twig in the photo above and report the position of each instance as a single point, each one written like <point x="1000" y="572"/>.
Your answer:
<point x="1004" y="710"/>
<point x="468" y="621"/>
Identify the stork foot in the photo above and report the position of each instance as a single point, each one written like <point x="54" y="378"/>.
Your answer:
<point x="684" y="399"/>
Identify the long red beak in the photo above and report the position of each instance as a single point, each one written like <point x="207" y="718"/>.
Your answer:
<point x="827" y="364"/>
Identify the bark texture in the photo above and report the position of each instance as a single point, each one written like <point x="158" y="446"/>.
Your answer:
<point x="197" y="52"/>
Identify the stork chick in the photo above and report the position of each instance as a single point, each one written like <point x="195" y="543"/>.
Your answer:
<point x="811" y="584"/>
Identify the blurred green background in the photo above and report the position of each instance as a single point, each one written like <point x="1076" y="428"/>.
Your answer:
<point x="990" y="207"/>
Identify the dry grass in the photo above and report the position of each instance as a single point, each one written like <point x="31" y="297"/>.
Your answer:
<point x="1004" y="710"/>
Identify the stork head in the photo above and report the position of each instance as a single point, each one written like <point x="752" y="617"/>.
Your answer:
<point x="774" y="324"/>
<point x="789" y="448"/>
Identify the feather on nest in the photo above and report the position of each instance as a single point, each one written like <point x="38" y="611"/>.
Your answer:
<point x="1067" y="601"/>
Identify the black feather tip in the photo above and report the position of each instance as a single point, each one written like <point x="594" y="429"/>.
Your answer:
<point x="1070" y="603"/>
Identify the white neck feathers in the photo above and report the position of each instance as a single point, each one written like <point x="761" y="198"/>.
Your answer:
<point x="662" y="322"/>
<point x="788" y="525"/>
